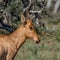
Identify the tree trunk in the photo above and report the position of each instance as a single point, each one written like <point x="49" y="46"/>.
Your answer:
<point x="48" y="4"/>
<point x="56" y="6"/>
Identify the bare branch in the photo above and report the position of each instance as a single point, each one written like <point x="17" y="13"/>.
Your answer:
<point x="30" y="3"/>
<point x="26" y="8"/>
<point x="36" y="11"/>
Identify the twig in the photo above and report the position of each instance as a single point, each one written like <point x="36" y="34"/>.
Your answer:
<point x="36" y="11"/>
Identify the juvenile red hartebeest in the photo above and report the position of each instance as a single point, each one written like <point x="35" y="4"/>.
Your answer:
<point x="9" y="44"/>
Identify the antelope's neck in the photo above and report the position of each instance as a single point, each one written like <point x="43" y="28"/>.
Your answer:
<point x="18" y="37"/>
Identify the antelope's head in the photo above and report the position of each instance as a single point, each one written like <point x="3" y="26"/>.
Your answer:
<point x="29" y="29"/>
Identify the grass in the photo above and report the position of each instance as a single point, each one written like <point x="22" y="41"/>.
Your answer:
<point x="47" y="50"/>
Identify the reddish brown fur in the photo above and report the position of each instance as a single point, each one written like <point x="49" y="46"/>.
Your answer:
<point x="9" y="44"/>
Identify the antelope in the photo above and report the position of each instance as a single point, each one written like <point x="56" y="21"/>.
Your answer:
<point x="9" y="44"/>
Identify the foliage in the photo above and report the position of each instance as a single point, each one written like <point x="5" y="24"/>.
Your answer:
<point x="58" y="35"/>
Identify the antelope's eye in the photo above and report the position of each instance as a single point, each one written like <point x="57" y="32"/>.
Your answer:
<point x="31" y="27"/>
<point x="25" y="23"/>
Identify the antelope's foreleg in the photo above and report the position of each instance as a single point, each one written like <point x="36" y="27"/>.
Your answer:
<point x="10" y="55"/>
<point x="3" y="53"/>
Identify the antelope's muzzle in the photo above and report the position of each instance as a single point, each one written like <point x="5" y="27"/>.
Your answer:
<point x="38" y="41"/>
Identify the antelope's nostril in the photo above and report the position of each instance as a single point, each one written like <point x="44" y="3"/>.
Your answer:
<point x="37" y="42"/>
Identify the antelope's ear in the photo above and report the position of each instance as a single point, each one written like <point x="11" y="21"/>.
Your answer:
<point x="23" y="19"/>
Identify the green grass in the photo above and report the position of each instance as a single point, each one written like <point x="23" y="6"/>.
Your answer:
<point x="46" y="50"/>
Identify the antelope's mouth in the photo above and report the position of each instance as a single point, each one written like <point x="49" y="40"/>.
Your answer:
<point x="38" y="41"/>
